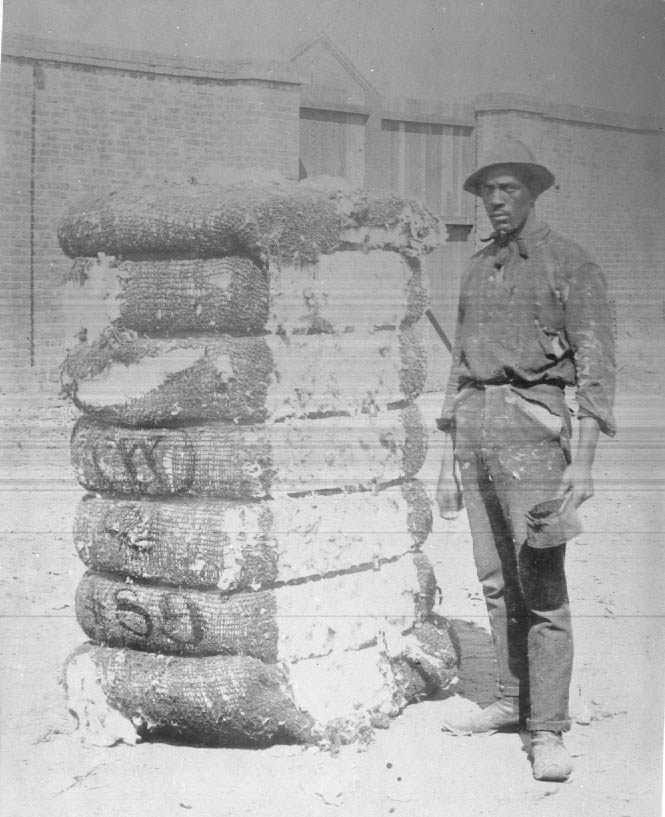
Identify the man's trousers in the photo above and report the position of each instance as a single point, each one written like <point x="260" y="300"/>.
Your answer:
<point x="512" y="452"/>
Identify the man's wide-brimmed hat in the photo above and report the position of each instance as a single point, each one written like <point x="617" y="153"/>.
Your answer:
<point x="512" y="153"/>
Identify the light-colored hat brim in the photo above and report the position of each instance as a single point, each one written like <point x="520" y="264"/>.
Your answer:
<point x="540" y="178"/>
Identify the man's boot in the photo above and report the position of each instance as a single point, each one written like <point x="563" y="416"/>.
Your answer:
<point x="503" y="714"/>
<point x="549" y="757"/>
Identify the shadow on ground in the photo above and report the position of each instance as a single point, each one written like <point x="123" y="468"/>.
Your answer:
<point x="477" y="673"/>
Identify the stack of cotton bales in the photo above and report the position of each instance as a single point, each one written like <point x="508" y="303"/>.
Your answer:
<point x="250" y="442"/>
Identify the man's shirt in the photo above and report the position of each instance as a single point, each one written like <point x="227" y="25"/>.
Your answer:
<point x="535" y="313"/>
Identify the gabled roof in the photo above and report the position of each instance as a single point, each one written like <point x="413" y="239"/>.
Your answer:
<point x="323" y="41"/>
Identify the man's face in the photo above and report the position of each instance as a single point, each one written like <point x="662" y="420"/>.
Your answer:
<point x="507" y="199"/>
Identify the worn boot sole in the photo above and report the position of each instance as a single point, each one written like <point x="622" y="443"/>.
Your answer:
<point x="552" y="772"/>
<point x="550" y="759"/>
<point x="498" y="717"/>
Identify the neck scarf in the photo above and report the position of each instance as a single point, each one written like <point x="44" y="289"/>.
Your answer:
<point x="510" y="245"/>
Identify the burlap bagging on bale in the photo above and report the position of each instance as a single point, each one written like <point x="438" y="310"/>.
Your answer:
<point x="375" y="219"/>
<point x="341" y="292"/>
<point x="235" y="545"/>
<point x="250" y="462"/>
<point x="148" y="381"/>
<point x="140" y="380"/>
<point x="287" y="623"/>
<point x="347" y="291"/>
<point x="428" y="659"/>
<point x="167" y="296"/>
<point x="284" y="221"/>
<point x="287" y="222"/>
<point x="123" y="695"/>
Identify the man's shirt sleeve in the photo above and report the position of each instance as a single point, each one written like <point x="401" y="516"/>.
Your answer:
<point x="590" y="331"/>
<point x="446" y="421"/>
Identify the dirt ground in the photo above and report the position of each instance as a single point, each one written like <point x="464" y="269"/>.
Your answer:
<point x="412" y="769"/>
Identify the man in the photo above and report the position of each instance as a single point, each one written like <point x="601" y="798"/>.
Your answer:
<point x="533" y="318"/>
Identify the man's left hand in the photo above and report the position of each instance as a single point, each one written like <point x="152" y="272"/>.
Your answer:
<point x="577" y="481"/>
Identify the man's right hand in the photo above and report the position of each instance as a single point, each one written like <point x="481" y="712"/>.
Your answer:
<point x="449" y="496"/>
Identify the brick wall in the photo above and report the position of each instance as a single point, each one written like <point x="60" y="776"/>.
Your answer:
<point x="609" y="197"/>
<point x="74" y="121"/>
<point x="15" y="214"/>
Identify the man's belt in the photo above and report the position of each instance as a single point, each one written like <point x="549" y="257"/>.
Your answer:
<point x="511" y="381"/>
